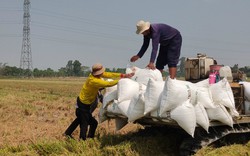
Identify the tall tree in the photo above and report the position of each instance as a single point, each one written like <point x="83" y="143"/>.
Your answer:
<point x="86" y="71"/>
<point x="49" y="72"/>
<point x="37" y="72"/>
<point x="69" y="68"/>
<point x="77" y="68"/>
<point x="62" y="71"/>
<point x="2" y="66"/>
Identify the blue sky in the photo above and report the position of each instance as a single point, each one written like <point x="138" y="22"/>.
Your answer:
<point x="104" y="31"/>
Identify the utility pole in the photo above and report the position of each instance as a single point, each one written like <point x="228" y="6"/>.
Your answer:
<point x="26" y="57"/>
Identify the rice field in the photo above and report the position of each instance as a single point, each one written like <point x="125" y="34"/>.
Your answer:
<point x="34" y="113"/>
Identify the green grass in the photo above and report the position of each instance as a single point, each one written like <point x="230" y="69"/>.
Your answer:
<point x="117" y="145"/>
<point x="230" y="150"/>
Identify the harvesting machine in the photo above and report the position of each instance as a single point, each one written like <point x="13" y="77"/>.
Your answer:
<point x="196" y="70"/>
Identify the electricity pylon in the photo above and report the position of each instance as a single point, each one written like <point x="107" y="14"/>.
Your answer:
<point x="26" y="57"/>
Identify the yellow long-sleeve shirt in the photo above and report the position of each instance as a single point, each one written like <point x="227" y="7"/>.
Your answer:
<point x="91" y="86"/>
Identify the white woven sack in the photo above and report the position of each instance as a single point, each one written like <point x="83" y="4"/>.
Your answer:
<point x="143" y="75"/>
<point x="156" y="113"/>
<point x="233" y="112"/>
<point x="152" y="94"/>
<point x="127" y="88"/>
<point x="123" y="107"/>
<point x="109" y="96"/>
<point x="184" y="115"/>
<point x="221" y="114"/>
<point x="165" y="117"/>
<point x="204" y="94"/>
<point x="136" y="108"/>
<point x="246" y="90"/>
<point x="203" y="83"/>
<point x="102" y="115"/>
<point x="110" y="89"/>
<point x="201" y="116"/>
<point x="193" y="90"/>
<point x="226" y="72"/>
<point x="113" y="108"/>
<point x="132" y="69"/>
<point x="205" y="97"/>
<point x="174" y="94"/>
<point x="247" y="107"/>
<point x="142" y="88"/>
<point x="222" y="93"/>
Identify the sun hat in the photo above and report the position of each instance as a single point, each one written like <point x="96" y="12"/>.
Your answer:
<point x="97" y="69"/>
<point x="142" y="26"/>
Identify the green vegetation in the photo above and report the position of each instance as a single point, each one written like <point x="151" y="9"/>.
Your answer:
<point x="118" y="145"/>
<point x="72" y="68"/>
<point x="76" y="69"/>
<point x="34" y="113"/>
<point x="231" y="150"/>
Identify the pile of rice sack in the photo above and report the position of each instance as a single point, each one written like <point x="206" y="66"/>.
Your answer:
<point x="189" y="104"/>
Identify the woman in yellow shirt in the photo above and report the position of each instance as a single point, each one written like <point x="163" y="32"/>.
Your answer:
<point x="87" y="100"/>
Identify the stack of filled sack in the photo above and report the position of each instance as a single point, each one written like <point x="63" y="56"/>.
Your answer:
<point x="189" y="104"/>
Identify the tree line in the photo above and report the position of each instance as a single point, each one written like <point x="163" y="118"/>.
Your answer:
<point x="76" y="69"/>
<point x="72" y="69"/>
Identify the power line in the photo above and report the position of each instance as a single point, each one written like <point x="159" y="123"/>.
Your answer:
<point x="81" y="31"/>
<point x="10" y="22"/>
<point x="10" y="35"/>
<point x="78" y="19"/>
<point x="76" y="42"/>
<point x="96" y="23"/>
<point x="10" y="9"/>
<point x="221" y="50"/>
<point x="214" y="41"/>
